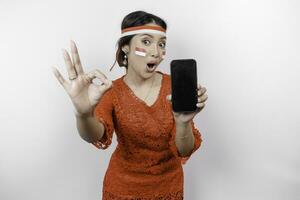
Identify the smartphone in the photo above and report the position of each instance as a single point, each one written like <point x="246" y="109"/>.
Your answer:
<point x="184" y="85"/>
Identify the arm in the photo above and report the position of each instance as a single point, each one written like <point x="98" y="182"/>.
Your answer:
<point x="182" y="143"/>
<point x="89" y="128"/>
<point x="184" y="139"/>
<point x="85" y="95"/>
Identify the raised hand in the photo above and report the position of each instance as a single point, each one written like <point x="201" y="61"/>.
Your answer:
<point x="83" y="92"/>
<point x="185" y="117"/>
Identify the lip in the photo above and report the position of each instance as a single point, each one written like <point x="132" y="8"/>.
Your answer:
<point x="153" y="62"/>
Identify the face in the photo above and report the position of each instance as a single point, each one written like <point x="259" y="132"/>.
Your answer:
<point x="145" y="52"/>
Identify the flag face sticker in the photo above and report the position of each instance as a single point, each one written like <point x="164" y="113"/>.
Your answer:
<point x="140" y="51"/>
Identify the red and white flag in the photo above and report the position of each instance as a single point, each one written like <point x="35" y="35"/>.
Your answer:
<point x="140" y="51"/>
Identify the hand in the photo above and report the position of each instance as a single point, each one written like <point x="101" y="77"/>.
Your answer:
<point x="83" y="92"/>
<point x="185" y="117"/>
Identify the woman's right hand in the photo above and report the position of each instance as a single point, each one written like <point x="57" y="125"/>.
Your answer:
<point x="83" y="92"/>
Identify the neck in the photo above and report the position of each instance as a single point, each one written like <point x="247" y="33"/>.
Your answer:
<point x="132" y="77"/>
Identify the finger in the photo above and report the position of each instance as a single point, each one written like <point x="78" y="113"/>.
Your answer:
<point x="75" y="58"/>
<point x="202" y="98"/>
<point x="104" y="86"/>
<point x="70" y="67"/>
<point x="201" y="91"/>
<point x="98" y="74"/>
<point x="200" y="105"/>
<point x="59" y="77"/>
<point x="199" y="86"/>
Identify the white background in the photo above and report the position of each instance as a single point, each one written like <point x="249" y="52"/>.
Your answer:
<point x="248" y="59"/>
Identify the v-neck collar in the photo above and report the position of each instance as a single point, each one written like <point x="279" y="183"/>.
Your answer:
<point x="140" y="100"/>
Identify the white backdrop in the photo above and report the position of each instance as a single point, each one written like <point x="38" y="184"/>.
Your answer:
<point x="248" y="59"/>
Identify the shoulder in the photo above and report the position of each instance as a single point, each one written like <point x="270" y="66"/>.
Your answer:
<point x="109" y="94"/>
<point x="116" y="89"/>
<point x="116" y="83"/>
<point x="168" y="76"/>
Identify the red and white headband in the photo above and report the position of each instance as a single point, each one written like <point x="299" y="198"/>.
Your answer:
<point x="143" y="29"/>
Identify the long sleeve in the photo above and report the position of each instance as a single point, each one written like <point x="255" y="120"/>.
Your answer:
<point x="103" y="112"/>
<point x="197" y="144"/>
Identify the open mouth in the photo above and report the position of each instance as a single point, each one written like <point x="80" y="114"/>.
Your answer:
<point x="150" y="65"/>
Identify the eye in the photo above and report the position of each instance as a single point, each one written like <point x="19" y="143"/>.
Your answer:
<point x="162" y="44"/>
<point x="146" y="42"/>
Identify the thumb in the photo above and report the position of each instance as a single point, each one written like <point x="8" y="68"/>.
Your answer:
<point x="105" y="86"/>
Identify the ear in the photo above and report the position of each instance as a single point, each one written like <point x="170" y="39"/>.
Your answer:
<point x="125" y="49"/>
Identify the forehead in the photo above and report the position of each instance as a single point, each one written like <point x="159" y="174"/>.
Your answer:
<point x="151" y="35"/>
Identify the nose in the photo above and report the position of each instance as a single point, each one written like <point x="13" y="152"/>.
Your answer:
<point x="154" y="51"/>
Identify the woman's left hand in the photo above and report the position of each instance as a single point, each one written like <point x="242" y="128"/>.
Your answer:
<point x="185" y="117"/>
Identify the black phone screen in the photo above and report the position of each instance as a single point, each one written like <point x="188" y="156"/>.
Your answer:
<point x="184" y="85"/>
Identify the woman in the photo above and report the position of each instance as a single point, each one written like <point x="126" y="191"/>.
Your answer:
<point x="153" y="141"/>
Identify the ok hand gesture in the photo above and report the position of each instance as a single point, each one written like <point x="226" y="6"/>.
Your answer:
<point x="83" y="92"/>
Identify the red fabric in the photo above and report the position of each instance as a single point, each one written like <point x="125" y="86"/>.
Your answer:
<point x="146" y="163"/>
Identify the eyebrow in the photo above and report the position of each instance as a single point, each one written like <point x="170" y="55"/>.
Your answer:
<point x="152" y="36"/>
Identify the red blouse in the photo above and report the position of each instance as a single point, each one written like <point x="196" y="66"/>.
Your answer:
<point x="145" y="163"/>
